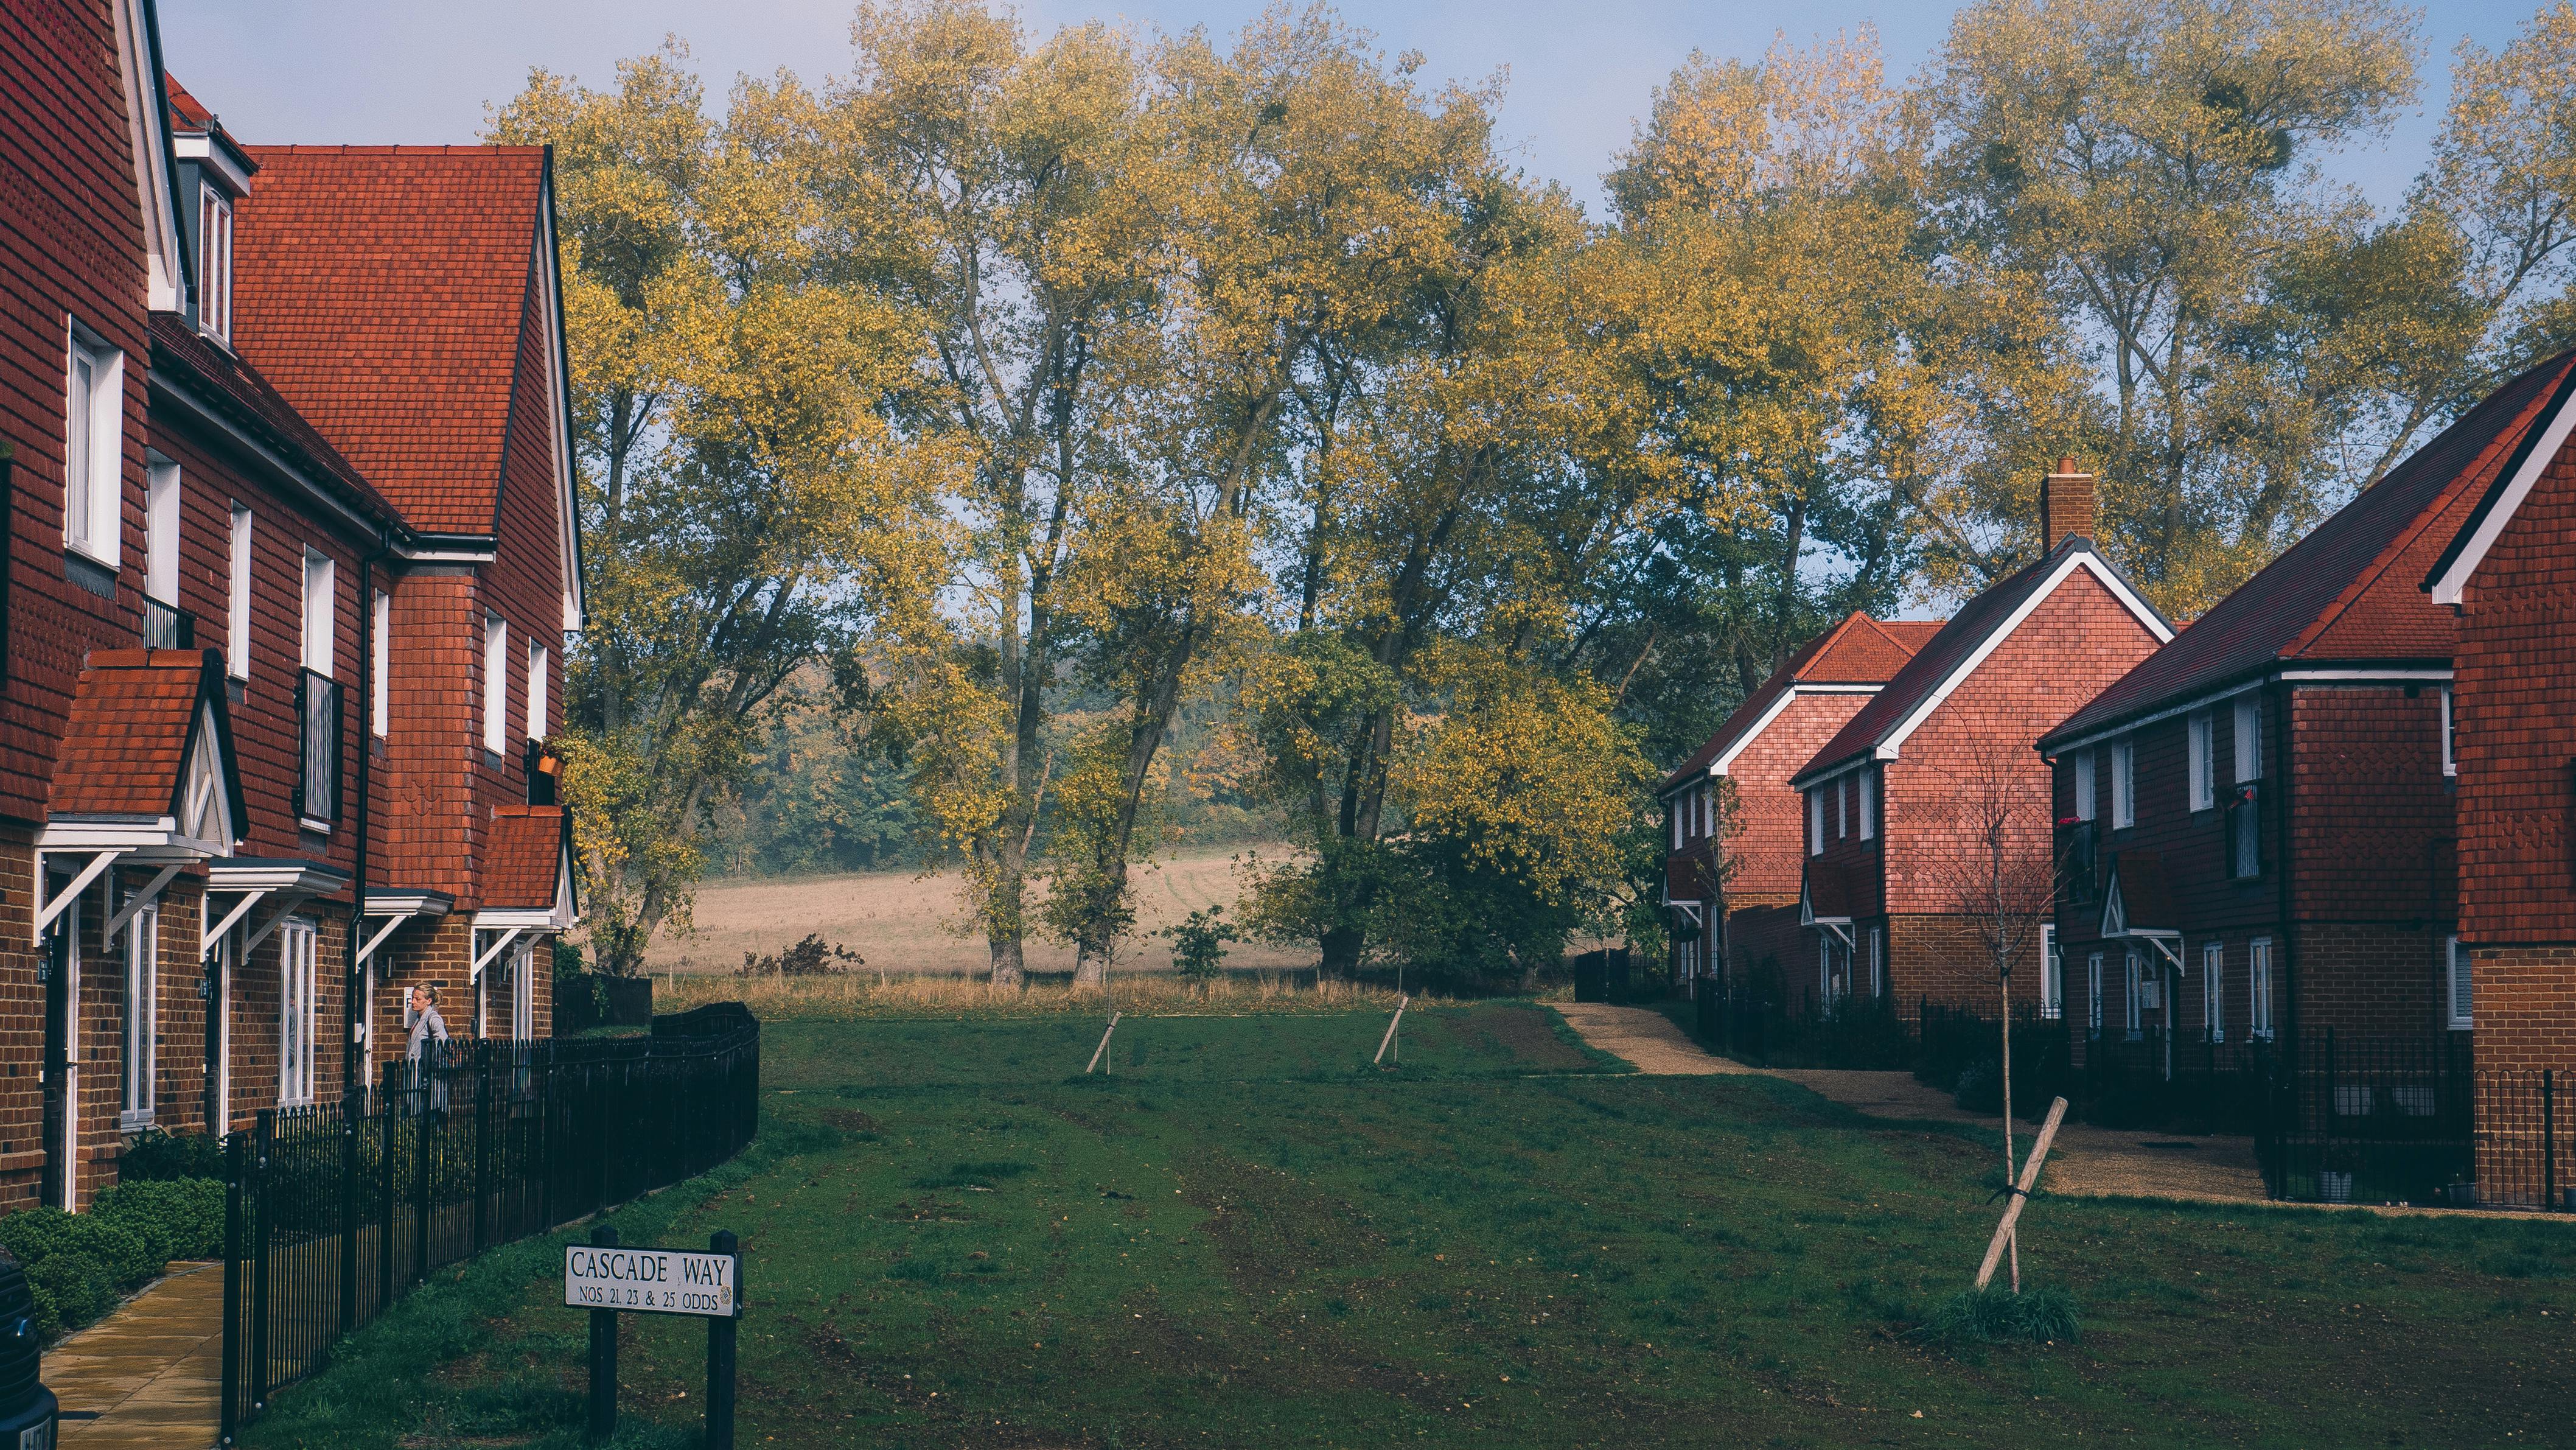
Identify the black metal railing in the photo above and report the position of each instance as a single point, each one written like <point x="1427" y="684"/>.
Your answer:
<point x="167" y="626"/>
<point x="335" y="1211"/>
<point x="317" y="775"/>
<point x="2354" y="1119"/>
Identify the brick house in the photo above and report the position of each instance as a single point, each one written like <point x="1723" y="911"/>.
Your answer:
<point x="180" y="842"/>
<point x="1751" y="926"/>
<point x="1885" y="842"/>
<point x="2507" y="575"/>
<point x="2257" y="822"/>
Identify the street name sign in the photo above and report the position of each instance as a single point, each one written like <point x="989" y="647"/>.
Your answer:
<point x="650" y="1281"/>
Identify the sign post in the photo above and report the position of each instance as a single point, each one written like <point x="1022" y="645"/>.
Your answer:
<point x="605" y="1278"/>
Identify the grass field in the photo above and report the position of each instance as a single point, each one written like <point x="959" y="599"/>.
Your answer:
<point x="1245" y="1237"/>
<point x="903" y="922"/>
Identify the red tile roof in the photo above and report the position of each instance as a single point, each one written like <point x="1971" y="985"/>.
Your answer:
<point x="2146" y="901"/>
<point x="2351" y="590"/>
<point x="186" y="111"/>
<point x="382" y="290"/>
<point x="236" y="388"/>
<point x="1858" y="651"/>
<point x="1948" y="648"/>
<point x="133" y="717"/>
<point x="523" y="860"/>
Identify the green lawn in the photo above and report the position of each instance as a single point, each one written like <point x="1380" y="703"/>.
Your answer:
<point x="1245" y="1237"/>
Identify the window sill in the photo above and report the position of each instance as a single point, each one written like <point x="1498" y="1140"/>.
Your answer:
<point x="133" y="1120"/>
<point x="319" y="828"/>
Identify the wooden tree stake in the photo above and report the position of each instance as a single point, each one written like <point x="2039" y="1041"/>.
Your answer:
<point x="2029" y="1180"/>
<point x="1390" y="1031"/>
<point x="1103" y="1047"/>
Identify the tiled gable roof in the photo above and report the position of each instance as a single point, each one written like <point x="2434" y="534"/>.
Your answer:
<point x="523" y="858"/>
<point x="2350" y="590"/>
<point x="125" y="745"/>
<point x="1949" y="647"/>
<point x="382" y="290"/>
<point x="2137" y="880"/>
<point x="245" y="396"/>
<point x="1858" y="651"/>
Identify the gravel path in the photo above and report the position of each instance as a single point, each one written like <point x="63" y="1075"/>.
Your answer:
<point x="1647" y="1039"/>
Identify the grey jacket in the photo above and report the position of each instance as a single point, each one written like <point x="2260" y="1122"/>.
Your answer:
<point x="425" y="1025"/>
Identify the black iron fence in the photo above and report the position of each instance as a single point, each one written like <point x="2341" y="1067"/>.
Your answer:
<point x="1850" y="1032"/>
<point x="336" y="1210"/>
<point x="2353" y="1119"/>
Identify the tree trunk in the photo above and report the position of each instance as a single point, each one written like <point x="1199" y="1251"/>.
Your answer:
<point x="1341" y="953"/>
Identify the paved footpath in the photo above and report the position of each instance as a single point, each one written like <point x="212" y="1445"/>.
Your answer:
<point x="2085" y="1161"/>
<point x="151" y="1372"/>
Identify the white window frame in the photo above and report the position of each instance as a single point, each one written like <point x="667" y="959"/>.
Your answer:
<point x="2213" y="990"/>
<point x="1868" y="804"/>
<point x="2450" y="761"/>
<point x="496" y="684"/>
<point x="1842" y="808"/>
<point x="2248" y="729"/>
<point x="297" y="1039"/>
<point x="523" y="996"/>
<point x="2203" y="733"/>
<point x="2085" y="785"/>
<point x="161" y="529"/>
<point x="93" y="446"/>
<point x="2258" y="988"/>
<point x="1816" y="822"/>
<point x="536" y="702"/>
<point x="2459" y="987"/>
<point x="222" y="1007"/>
<point x="215" y="265"/>
<point x="2124" y="784"/>
<point x="142" y="1019"/>
<point x="2093" y="990"/>
<point x="2133" y="969"/>
<point x="320" y="588"/>
<point x="379" y="667"/>
<point x="1678" y="804"/>
<point x="237" y="595"/>
<point x="2052" y="974"/>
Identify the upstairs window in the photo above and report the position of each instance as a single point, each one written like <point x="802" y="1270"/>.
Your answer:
<point x="215" y="266"/>
<point x="1842" y="808"/>
<point x="2204" y="765"/>
<point x="1815" y="823"/>
<point x="1678" y="806"/>
<point x="496" y="685"/>
<point x="536" y="691"/>
<point x="1868" y="804"/>
<point x="321" y="612"/>
<point x="93" y="446"/>
<point x="161" y="528"/>
<point x="2124" y="785"/>
<point x="2459" y="998"/>
<point x="380" y="671"/>
<point x="237" y="598"/>
<point x="2450" y="762"/>
<point x="2249" y="739"/>
<point x="2084" y="806"/>
<point x="2244" y="832"/>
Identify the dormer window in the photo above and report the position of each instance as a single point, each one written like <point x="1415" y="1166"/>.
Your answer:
<point x="215" y="265"/>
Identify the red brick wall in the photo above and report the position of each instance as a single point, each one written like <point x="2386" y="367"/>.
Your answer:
<point x="71" y="245"/>
<point x="22" y="1026"/>
<point x="1942" y="959"/>
<point x="2371" y="809"/>
<point x="2071" y="647"/>
<point x="2371" y="978"/>
<point x="1770" y="846"/>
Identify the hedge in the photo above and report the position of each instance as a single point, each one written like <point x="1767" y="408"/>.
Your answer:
<point x="78" y="1265"/>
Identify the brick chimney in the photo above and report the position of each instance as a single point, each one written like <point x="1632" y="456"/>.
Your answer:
<point x="2065" y="505"/>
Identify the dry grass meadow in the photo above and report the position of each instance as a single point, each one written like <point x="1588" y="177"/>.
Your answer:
<point x="903" y="923"/>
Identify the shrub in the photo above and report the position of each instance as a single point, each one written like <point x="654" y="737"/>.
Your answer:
<point x="70" y="1290"/>
<point x="182" y="1219"/>
<point x="33" y="1235"/>
<point x="1981" y="1088"/>
<point x="1996" y="1315"/>
<point x="812" y="957"/>
<point x="1198" y="944"/>
<point x="157" y="1157"/>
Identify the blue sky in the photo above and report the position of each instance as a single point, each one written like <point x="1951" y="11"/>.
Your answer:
<point x="1579" y="74"/>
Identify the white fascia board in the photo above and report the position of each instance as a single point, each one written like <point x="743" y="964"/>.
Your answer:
<point x="103" y="833"/>
<point x="1725" y="759"/>
<point x="409" y="903"/>
<point x="312" y="878"/>
<point x="2447" y="588"/>
<point x="199" y="147"/>
<point x="446" y="549"/>
<point x="2393" y="675"/>
<point x="165" y="256"/>
<point x="558" y="411"/>
<point x="529" y="918"/>
<point x="2085" y="559"/>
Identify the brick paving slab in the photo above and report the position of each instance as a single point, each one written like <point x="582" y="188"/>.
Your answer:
<point x="152" y="1371"/>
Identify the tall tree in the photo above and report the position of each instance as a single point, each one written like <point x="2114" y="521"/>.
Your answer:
<point x="746" y="506"/>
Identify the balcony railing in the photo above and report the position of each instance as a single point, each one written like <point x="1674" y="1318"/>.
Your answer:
<point x="317" y="776"/>
<point x="167" y="626"/>
<point x="2076" y="878"/>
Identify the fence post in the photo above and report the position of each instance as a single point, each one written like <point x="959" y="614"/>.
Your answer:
<point x="422" y="1126"/>
<point x="603" y="1356"/>
<point x="482" y="1147"/>
<point x="720" y="1352"/>
<point x="348" y="1222"/>
<point x="234" y="1168"/>
<point x="385" y="1115"/>
<point x="259" y="1261"/>
<point x="2548" y="1138"/>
